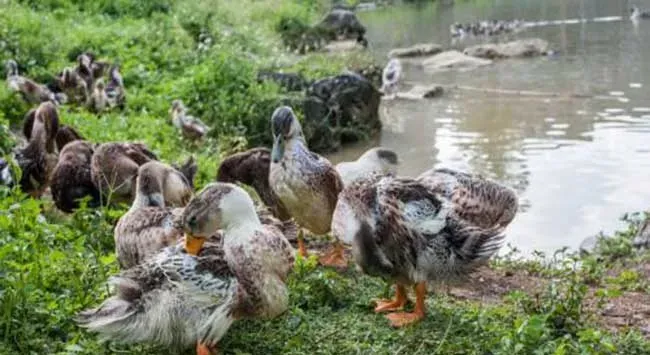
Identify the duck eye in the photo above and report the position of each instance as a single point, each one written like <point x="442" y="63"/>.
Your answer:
<point x="192" y="222"/>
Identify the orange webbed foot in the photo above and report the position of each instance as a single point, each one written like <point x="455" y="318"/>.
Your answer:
<point x="203" y="349"/>
<point x="393" y="305"/>
<point x="335" y="258"/>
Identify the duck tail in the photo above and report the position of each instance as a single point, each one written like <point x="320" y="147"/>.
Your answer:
<point x="112" y="316"/>
<point x="474" y="246"/>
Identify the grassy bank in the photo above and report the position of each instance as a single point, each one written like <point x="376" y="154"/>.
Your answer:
<point x="54" y="265"/>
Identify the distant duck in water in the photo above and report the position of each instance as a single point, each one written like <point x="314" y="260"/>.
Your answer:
<point x="636" y="14"/>
<point x="484" y="28"/>
<point x="390" y="76"/>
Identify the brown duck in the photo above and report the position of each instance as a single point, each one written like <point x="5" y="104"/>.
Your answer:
<point x="71" y="180"/>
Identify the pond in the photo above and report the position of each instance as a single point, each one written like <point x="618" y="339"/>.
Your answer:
<point x="578" y="164"/>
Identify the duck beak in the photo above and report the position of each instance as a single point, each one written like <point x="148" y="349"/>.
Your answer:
<point x="193" y="244"/>
<point x="278" y="149"/>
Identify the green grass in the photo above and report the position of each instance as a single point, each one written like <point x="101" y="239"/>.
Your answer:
<point x="54" y="265"/>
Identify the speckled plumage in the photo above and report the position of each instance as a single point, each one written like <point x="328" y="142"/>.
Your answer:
<point x="252" y="168"/>
<point x="31" y="91"/>
<point x="71" y="178"/>
<point x="114" y="168"/>
<point x="408" y="231"/>
<point x="38" y="158"/>
<point x="175" y="299"/>
<point x="190" y="126"/>
<point x="306" y="183"/>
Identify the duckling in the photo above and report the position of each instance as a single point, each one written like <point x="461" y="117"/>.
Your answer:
<point x="98" y="101"/>
<point x="73" y="85"/>
<point x="114" y="169"/>
<point x="31" y="91"/>
<point x="97" y="68"/>
<point x="390" y="76"/>
<point x="38" y="158"/>
<point x="115" y="89"/>
<point x="190" y="126"/>
<point x="188" y="169"/>
<point x="83" y="70"/>
<point x="149" y="225"/>
<point x="191" y="292"/>
<point x="636" y="14"/>
<point x="71" y="180"/>
<point x="403" y="230"/>
<point x="306" y="183"/>
<point x="376" y="159"/>
<point x="252" y="168"/>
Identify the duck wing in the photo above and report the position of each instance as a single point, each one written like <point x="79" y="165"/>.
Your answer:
<point x="475" y="199"/>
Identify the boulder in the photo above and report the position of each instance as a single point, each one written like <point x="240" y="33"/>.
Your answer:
<point x="340" y="109"/>
<point x="343" y="46"/>
<point x="343" y="23"/>
<point x="589" y="245"/>
<point x="453" y="60"/>
<point x="642" y="238"/>
<point x="419" y="92"/>
<point x="531" y="47"/>
<point x="418" y="50"/>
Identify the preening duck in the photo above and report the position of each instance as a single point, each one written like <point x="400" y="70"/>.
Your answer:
<point x="306" y="183"/>
<point x="191" y="293"/>
<point x="71" y="180"/>
<point x="411" y="232"/>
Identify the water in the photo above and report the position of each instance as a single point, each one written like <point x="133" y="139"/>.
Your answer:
<point x="578" y="164"/>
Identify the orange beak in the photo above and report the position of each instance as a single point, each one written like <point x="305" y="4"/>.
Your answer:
<point x="193" y="244"/>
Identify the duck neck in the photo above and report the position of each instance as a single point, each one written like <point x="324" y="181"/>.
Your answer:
<point x="297" y="146"/>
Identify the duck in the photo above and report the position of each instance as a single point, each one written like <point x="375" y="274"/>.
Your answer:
<point x="306" y="183"/>
<point x="189" y="169"/>
<point x="190" y="126"/>
<point x="65" y="134"/>
<point x="39" y="157"/>
<point x="408" y="231"/>
<point x="73" y="85"/>
<point x="115" y="90"/>
<point x="192" y="292"/>
<point x="377" y="159"/>
<point x="98" y="100"/>
<point x="71" y="180"/>
<point x="636" y="14"/>
<point x="251" y="168"/>
<point x="149" y="225"/>
<point x="391" y="76"/>
<point x="31" y="91"/>
<point x="84" y="71"/>
<point x="114" y="169"/>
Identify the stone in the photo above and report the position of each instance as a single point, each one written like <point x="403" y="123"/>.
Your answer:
<point x="343" y="23"/>
<point x="418" y="50"/>
<point x="524" y="48"/>
<point x="453" y="60"/>
<point x="340" y="109"/>
<point x="343" y="46"/>
<point x="589" y="245"/>
<point x="642" y="238"/>
<point x="419" y="92"/>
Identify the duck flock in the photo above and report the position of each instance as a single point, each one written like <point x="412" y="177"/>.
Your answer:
<point x="193" y="262"/>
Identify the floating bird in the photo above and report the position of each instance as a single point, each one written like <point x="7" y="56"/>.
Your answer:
<point x="374" y="160"/>
<point x="391" y="76"/>
<point x="306" y="183"/>
<point x="636" y="14"/>
<point x="191" y="292"/>
<point x="438" y="227"/>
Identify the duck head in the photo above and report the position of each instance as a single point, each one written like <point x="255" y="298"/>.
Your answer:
<point x="285" y="128"/>
<point x="158" y="184"/>
<point x="217" y="206"/>
<point x="11" y="68"/>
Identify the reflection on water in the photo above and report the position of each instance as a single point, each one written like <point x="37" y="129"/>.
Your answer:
<point x="578" y="164"/>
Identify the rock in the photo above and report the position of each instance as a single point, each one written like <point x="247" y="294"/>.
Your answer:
<point x="418" y="50"/>
<point x="343" y="46"/>
<point x="453" y="60"/>
<point x="344" y="23"/>
<point x="288" y="81"/>
<point x="419" y="92"/>
<point x="340" y="109"/>
<point x="531" y="47"/>
<point x="642" y="238"/>
<point x="589" y="245"/>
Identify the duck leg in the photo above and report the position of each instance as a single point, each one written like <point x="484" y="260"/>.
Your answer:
<point x="393" y="305"/>
<point x="205" y="349"/>
<point x="335" y="257"/>
<point x="401" y="319"/>
<point x="302" y="251"/>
